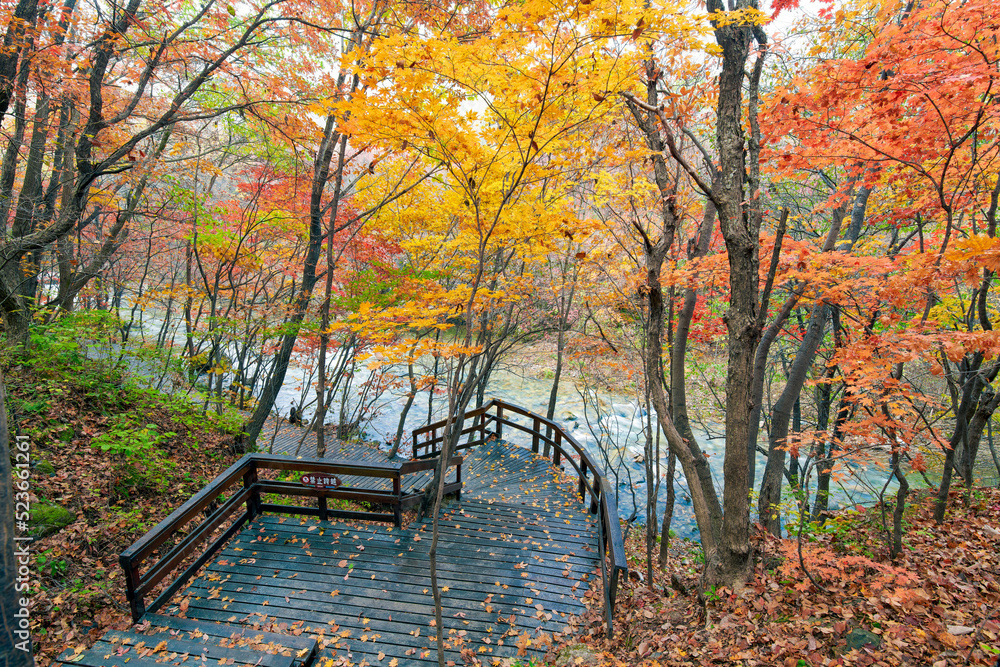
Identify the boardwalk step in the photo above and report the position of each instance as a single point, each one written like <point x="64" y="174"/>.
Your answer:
<point x="166" y="640"/>
<point x="237" y="635"/>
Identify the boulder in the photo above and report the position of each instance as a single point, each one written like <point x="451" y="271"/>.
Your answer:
<point x="859" y="637"/>
<point x="577" y="655"/>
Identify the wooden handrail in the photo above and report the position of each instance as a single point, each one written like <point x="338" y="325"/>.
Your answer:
<point x="245" y="504"/>
<point x="556" y="440"/>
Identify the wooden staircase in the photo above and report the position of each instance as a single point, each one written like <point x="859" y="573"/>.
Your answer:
<point x="160" y="641"/>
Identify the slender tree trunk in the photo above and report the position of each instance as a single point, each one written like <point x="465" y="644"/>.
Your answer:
<point x="651" y="456"/>
<point x="410" y="397"/>
<point x="972" y="388"/>
<point x="770" y="488"/>
<point x="321" y="172"/>
<point x="897" y="513"/>
<point x="993" y="449"/>
<point x="324" y="334"/>
<point x="764" y="347"/>
<point x="705" y="501"/>
<point x="668" y="511"/>
<point x="565" y="305"/>
<point x="8" y="173"/>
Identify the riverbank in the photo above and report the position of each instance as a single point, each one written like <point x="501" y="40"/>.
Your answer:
<point x="109" y="460"/>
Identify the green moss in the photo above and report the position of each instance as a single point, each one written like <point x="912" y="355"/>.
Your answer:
<point x="47" y="518"/>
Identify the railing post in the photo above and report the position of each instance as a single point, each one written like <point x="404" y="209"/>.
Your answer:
<point x="499" y="422"/>
<point x="472" y="432"/>
<point x="583" y="478"/>
<point x="557" y="457"/>
<point x="397" y="509"/>
<point x="458" y="478"/>
<point x="613" y="589"/>
<point x="135" y="601"/>
<point x="434" y="443"/>
<point x="322" y="508"/>
<point x="596" y="497"/>
<point x="249" y="482"/>
<point x="535" y="425"/>
<point x="547" y="450"/>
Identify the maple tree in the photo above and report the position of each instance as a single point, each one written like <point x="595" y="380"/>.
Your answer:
<point x="724" y="528"/>
<point x="925" y="82"/>
<point x="102" y="154"/>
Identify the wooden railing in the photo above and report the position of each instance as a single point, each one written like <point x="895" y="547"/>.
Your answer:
<point x="200" y="518"/>
<point x="561" y="446"/>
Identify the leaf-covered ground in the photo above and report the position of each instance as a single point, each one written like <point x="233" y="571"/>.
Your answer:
<point x="77" y="588"/>
<point x="938" y="605"/>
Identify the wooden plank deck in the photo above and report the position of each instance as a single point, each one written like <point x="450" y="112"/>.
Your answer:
<point x="516" y="555"/>
<point x="287" y="438"/>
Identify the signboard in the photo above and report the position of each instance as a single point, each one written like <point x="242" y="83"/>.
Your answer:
<point x="321" y="480"/>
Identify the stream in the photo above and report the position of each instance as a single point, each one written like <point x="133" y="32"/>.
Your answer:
<point x="617" y="420"/>
<point x="620" y="421"/>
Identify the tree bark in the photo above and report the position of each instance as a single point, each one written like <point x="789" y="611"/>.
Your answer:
<point x="565" y="305"/>
<point x="668" y="511"/>
<point x="410" y="396"/>
<point x="740" y="220"/>
<point x="324" y="334"/>
<point x="24" y="16"/>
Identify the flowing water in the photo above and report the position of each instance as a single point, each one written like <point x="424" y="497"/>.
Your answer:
<point x="611" y="427"/>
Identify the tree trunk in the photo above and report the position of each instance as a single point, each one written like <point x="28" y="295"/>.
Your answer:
<point x="324" y="334"/>
<point x="410" y="397"/>
<point x="565" y="305"/>
<point x="701" y="488"/>
<point x="897" y="514"/>
<point x="993" y="449"/>
<point x="668" y="511"/>
<point x="321" y="172"/>
<point x="770" y="489"/>
<point x="9" y="87"/>
<point x="972" y="388"/>
<point x="24" y="15"/>
<point x="740" y="219"/>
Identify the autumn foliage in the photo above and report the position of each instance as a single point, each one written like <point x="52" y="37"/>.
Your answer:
<point x="370" y="206"/>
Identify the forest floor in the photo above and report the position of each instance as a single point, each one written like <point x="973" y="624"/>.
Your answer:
<point x="937" y="605"/>
<point x="117" y="458"/>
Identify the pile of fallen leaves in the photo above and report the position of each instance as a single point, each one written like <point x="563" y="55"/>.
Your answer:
<point x="936" y="605"/>
<point x="77" y="589"/>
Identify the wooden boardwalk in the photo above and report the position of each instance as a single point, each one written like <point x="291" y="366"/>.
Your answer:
<point x="287" y="443"/>
<point x="241" y="578"/>
<point x="514" y="562"/>
<point x="277" y="436"/>
<point x="516" y="555"/>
